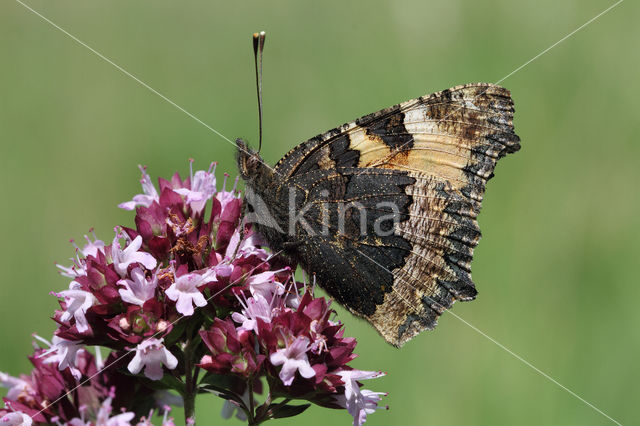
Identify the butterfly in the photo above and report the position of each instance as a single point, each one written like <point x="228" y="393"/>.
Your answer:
<point x="383" y="210"/>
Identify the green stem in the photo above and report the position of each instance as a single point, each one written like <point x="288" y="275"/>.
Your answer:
<point x="189" y="396"/>
<point x="251" y="419"/>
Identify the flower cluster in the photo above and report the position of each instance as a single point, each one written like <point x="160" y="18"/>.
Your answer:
<point x="187" y="301"/>
<point x="53" y="395"/>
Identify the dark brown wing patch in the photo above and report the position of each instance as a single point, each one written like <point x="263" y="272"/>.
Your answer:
<point x="386" y="272"/>
<point x="390" y="129"/>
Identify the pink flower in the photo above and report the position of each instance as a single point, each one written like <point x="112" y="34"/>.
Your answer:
<point x="92" y="247"/>
<point x="151" y="355"/>
<point x="63" y="352"/>
<point x="184" y="291"/>
<point x="249" y="246"/>
<point x="123" y="258"/>
<point x="16" y="418"/>
<point x="293" y="358"/>
<point x="104" y="416"/>
<point x="150" y="193"/>
<point x="224" y="196"/>
<point x="77" y="268"/>
<point x="203" y="187"/>
<point x="254" y="308"/>
<point x="166" y="420"/>
<point x="139" y="289"/>
<point x="232" y="350"/>
<point x="77" y="302"/>
<point x="359" y="402"/>
<point x="19" y="387"/>
<point x="265" y="284"/>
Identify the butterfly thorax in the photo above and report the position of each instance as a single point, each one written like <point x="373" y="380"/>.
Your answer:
<point x="253" y="170"/>
<point x="264" y="208"/>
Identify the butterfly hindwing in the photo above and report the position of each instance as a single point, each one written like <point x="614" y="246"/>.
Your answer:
<point x="398" y="272"/>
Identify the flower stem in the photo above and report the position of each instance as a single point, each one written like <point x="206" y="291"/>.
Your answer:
<point x="251" y="419"/>
<point x="189" y="396"/>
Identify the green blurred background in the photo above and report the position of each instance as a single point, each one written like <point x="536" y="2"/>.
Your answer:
<point x="556" y="269"/>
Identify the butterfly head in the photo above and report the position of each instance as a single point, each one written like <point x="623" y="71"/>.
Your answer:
<point x="250" y="165"/>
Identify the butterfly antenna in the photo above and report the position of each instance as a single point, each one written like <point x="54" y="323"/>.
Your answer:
<point x="258" y="48"/>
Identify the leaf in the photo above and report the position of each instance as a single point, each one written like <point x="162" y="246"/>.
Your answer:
<point x="226" y="381"/>
<point x="167" y="382"/>
<point x="289" y="411"/>
<point x="176" y="333"/>
<point x="221" y="385"/>
<point x="208" y="315"/>
<point x="173" y="383"/>
<point x="262" y="410"/>
<point x="194" y="323"/>
<point x="221" y="392"/>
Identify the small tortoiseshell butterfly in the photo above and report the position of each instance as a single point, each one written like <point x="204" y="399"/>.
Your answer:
<point x="382" y="210"/>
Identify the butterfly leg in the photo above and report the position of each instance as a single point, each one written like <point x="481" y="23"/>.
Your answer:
<point x="290" y="245"/>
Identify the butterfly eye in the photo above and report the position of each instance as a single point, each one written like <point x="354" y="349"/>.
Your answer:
<point x="245" y="166"/>
<point x="247" y="163"/>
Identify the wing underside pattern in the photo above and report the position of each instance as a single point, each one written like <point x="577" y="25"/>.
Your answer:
<point x="431" y="157"/>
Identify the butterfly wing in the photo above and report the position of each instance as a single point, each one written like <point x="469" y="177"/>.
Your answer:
<point x="430" y="158"/>
<point x="457" y="135"/>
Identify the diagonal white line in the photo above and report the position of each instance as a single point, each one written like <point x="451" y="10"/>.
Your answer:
<point x="501" y="346"/>
<point x="128" y="74"/>
<point x="533" y="367"/>
<point x="559" y="41"/>
<point x="125" y="72"/>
